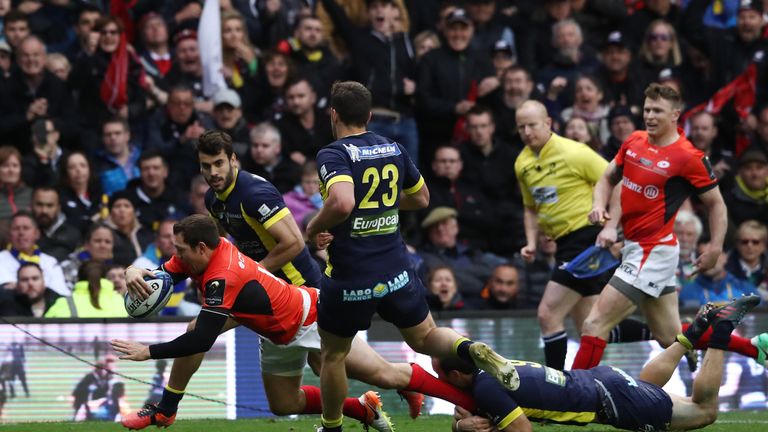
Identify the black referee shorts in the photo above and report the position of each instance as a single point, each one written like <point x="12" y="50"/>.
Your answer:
<point x="568" y="247"/>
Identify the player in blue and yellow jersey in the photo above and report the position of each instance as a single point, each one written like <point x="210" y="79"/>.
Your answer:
<point x="365" y="180"/>
<point x="252" y="211"/>
<point x="603" y="394"/>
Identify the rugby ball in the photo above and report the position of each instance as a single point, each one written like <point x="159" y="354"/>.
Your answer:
<point x="161" y="285"/>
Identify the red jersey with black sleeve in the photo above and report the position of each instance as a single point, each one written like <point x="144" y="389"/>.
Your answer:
<point x="656" y="181"/>
<point x="236" y="286"/>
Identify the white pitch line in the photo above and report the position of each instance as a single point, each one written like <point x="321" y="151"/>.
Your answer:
<point x="742" y="421"/>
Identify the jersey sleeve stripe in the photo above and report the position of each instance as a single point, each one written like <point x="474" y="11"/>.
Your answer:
<point x="338" y="178"/>
<point x="276" y="218"/>
<point x="706" y="188"/>
<point x="216" y="311"/>
<point x="415" y="188"/>
<point x="512" y="416"/>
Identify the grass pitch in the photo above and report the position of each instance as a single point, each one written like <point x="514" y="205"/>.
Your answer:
<point x="736" y="421"/>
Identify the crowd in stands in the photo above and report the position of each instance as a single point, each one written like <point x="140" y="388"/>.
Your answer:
<point x="92" y="179"/>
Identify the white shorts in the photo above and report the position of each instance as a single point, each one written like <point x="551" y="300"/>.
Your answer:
<point x="291" y="358"/>
<point x="650" y="270"/>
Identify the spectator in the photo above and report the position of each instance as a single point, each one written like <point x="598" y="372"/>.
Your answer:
<point x="714" y="285"/>
<point x="543" y="21"/>
<point x="15" y="28"/>
<point x="383" y="60"/>
<point x="81" y="195"/>
<point x="15" y="195"/>
<point x="98" y="245"/>
<point x="660" y="49"/>
<point x="131" y="238"/>
<point x="486" y="162"/>
<point x="187" y="69"/>
<point x="31" y="297"/>
<point x="197" y="195"/>
<point x="760" y="138"/>
<point x="452" y="79"/>
<point x="305" y="198"/>
<point x="471" y="267"/>
<point x="88" y="74"/>
<point x="620" y="88"/>
<point x="305" y="128"/>
<point x="622" y="123"/>
<point x="492" y="27"/>
<point x="239" y="57"/>
<point x="23" y="237"/>
<point x="425" y="42"/>
<point x="503" y="56"/>
<point x="577" y="129"/>
<point x="92" y="297"/>
<point x="32" y="92"/>
<point x="636" y="25"/>
<point x="174" y="132"/>
<point x="698" y="73"/>
<point x="39" y="167"/>
<point x="442" y="292"/>
<point x="310" y="53"/>
<point x="156" y="53"/>
<point x="517" y="87"/>
<point x="572" y="58"/>
<point x="117" y="162"/>
<point x="58" y="237"/>
<point x="86" y="40"/>
<point x="502" y="291"/>
<point x="747" y="198"/>
<point x="228" y="117"/>
<point x="449" y="189"/>
<point x="269" y="101"/>
<point x="731" y="49"/>
<point x="58" y="65"/>
<point x="588" y="104"/>
<point x="265" y="158"/>
<point x="116" y="275"/>
<point x="154" y="199"/>
<point x="688" y="229"/>
<point x="749" y="261"/>
<point x="704" y="134"/>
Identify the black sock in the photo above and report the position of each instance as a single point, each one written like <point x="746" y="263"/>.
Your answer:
<point x="630" y="330"/>
<point x="555" y="348"/>
<point x="721" y="335"/>
<point x="333" y="429"/>
<point x="169" y="404"/>
<point x="463" y="351"/>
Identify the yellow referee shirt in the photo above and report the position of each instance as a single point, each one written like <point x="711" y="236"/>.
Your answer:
<point x="557" y="183"/>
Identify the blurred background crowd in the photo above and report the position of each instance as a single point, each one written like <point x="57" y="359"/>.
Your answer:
<point x="101" y="103"/>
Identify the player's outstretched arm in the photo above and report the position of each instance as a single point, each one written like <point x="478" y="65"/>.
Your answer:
<point x="336" y="209"/>
<point x="602" y="193"/>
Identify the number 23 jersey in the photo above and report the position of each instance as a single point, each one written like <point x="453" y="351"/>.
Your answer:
<point x="368" y="242"/>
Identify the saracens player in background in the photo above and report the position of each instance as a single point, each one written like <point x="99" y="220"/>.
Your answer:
<point x="659" y="169"/>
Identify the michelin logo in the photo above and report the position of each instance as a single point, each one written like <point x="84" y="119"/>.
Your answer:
<point x="380" y="290"/>
<point x="372" y="152"/>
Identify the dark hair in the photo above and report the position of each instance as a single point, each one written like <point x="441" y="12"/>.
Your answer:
<point x="433" y="271"/>
<point x="151" y="154"/>
<point x="92" y="271"/>
<point x="46" y="188"/>
<point x="456" y="364"/>
<point x="23" y="213"/>
<point x="105" y="20"/>
<point x="93" y="182"/>
<point x="15" y="15"/>
<point x="213" y="142"/>
<point x="117" y="120"/>
<point x="301" y="18"/>
<point x="352" y="102"/>
<point x="198" y="229"/>
<point x="309" y="168"/>
<point x="26" y="264"/>
<point x="93" y="228"/>
<point x="480" y="110"/>
<point x="517" y="68"/>
<point x="657" y="91"/>
<point x="298" y="79"/>
<point x="181" y="88"/>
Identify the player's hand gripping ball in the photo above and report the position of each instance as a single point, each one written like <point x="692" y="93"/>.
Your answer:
<point x="161" y="285"/>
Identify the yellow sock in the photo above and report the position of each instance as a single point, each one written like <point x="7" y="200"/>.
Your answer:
<point x="331" y="423"/>
<point x="684" y="341"/>
<point x="459" y="342"/>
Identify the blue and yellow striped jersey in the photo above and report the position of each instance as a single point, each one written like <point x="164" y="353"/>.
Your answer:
<point x="247" y="209"/>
